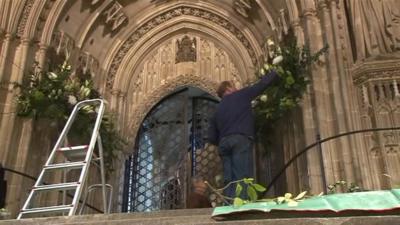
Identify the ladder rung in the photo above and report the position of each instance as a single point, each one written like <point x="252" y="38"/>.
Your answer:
<point x="60" y="186"/>
<point x="73" y="148"/>
<point x="60" y="208"/>
<point x="68" y="165"/>
<point x="73" y="152"/>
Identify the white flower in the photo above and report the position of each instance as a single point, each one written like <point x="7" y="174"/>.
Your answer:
<point x="264" y="98"/>
<point x="266" y="66"/>
<point x="277" y="60"/>
<point x="254" y="103"/>
<point x="52" y="75"/>
<point x="270" y="42"/>
<point x="262" y="71"/>
<point x="72" y="100"/>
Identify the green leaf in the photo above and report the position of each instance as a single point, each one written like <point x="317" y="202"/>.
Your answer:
<point x="251" y="192"/>
<point x="248" y="180"/>
<point x="259" y="187"/>
<point x="237" y="202"/>
<point x="239" y="189"/>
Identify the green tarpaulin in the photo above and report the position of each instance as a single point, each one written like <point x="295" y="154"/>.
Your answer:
<point x="371" y="201"/>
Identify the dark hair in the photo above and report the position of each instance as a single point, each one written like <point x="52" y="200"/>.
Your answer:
<point x="223" y="86"/>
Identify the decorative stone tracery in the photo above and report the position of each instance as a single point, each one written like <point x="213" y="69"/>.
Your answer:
<point x="168" y="15"/>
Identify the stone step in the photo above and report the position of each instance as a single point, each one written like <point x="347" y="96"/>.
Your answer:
<point x="197" y="217"/>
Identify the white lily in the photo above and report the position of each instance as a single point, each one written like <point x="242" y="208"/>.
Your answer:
<point x="52" y="75"/>
<point x="263" y="98"/>
<point x="253" y="103"/>
<point x="277" y="60"/>
<point x="270" y="42"/>
<point x="72" y="100"/>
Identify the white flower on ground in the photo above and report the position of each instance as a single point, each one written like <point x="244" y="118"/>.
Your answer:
<point x="277" y="60"/>
<point x="264" y="98"/>
<point x="72" y="100"/>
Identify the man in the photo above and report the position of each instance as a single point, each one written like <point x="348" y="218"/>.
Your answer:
<point x="232" y="129"/>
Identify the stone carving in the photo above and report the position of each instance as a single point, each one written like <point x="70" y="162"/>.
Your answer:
<point x="62" y="43"/>
<point x="158" y="20"/>
<point x="376" y="26"/>
<point x="115" y="17"/>
<point x="186" y="50"/>
<point x="87" y="65"/>
<point x="242" y="7"/>
<point x="24" y="17"/>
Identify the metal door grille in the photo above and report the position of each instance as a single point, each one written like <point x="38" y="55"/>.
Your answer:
<point x="168" y="152"/>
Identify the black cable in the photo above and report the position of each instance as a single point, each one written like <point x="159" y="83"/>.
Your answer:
<point x="34" y="178"/>
<point x="315" y="144"/>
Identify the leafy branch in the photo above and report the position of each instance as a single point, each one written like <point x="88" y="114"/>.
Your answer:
<point x="252" y="192"/>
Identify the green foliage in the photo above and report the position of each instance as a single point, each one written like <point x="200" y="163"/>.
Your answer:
<point x="352" y="187"/>
<point x="292" y="63"/>
<point x="253" y="190"/>
<point x="53" y="94"/>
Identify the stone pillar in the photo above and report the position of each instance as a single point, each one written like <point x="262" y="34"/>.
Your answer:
<point x="14" y="133"/>
<point x="18" y="184"/>
<point x="7" y="127"/>
<point x="4" y="53"/>
<point x="321" y="104"/>
<point x="362" y="163"/>
<point x="345" y="155"/>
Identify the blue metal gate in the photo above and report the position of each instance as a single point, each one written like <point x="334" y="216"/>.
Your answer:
<point x="168" y="152"/>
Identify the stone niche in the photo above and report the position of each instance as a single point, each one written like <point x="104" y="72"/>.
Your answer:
<point x="378" y="85"/>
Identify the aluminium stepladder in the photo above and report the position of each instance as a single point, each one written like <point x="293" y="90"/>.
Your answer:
<point x="80" y="152"/>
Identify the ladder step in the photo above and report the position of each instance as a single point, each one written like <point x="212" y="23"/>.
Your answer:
<point x="73" y="148"/>
<point x="74" y="151"/>
<point x="58" y="208"/>
<point x="68" y="165"/>
<point x="60" y="186"/>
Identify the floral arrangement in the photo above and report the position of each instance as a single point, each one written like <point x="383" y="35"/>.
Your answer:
<point x="53" y="94"/>
<point x="292" y="63"/>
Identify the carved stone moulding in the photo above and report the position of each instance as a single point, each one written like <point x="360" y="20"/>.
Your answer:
<point x="168" y="15"/>
<point x="376" y="70"/>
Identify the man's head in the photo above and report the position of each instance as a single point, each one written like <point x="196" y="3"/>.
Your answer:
<point x="225" y="88"/>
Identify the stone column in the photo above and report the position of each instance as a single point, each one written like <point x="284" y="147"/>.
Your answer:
<point x="7" y="127"/>
<point x="362" y="163"/>
<point x="321" y="104"/>
<point x="11" y="129"/>
<point x="18" y="184"/>
<point x="344" y="154"/>
<point x="4" y="53"/>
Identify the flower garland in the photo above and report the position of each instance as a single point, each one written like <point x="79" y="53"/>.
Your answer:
<point x="52" y="95"/>
<point x="292" y="63"/>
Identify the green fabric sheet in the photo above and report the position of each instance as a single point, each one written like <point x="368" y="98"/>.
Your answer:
<point x="361" y="201"/>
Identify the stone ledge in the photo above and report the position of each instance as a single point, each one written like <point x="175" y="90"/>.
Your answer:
<point x="198" y="217"/>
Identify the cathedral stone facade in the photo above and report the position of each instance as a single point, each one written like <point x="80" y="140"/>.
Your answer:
<point x="139" y="52"/>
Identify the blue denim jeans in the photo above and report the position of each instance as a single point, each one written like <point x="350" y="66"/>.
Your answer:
<point x="236" y="152"/>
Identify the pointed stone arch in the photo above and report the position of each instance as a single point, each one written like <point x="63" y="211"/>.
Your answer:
<point x="147" y="103"/>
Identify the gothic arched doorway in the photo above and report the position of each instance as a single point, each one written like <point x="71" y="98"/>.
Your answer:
<point x="169" y="151"/>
